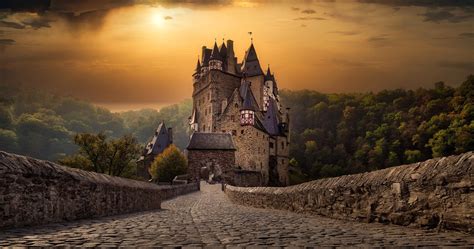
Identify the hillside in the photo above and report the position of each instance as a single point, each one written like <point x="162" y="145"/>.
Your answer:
<point x="332" y="134"/>
<point x="335" y="134"/>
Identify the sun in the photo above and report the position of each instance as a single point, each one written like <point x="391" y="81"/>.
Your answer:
<point x="157" y="19"/>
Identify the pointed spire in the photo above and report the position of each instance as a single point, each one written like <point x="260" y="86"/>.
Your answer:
<point x="269" y="75"/>
<point x="215" y="52"/>
<point x="198" y="66"/>
<point x="251" y="54"/>
<point x="251" y="65"/>
<point x="223" y="50"/>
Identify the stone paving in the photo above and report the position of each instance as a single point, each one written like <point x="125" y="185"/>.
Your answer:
<point x="208" y="218"/>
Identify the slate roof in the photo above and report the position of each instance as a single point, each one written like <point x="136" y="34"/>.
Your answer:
<point x="215" y="53"/>
<point x="251" y="65"/>
<point x="223" y="51"/>
<point x="248" y="100"/>
<point x="198" y="66"/>
<point x="271" y="119"/>
<point x="211" y="141"/>
<point x="159" y="142"/>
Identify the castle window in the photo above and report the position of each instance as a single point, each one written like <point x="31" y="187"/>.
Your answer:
<point x="232" y="118"/>
<point x="223" y="131"/>
<point x="236" y="105"/>
<point x="234" y="132"/>
<point x="282" y="145"/>
<point x="271" y="145"/>
<point x="242" y="132"/>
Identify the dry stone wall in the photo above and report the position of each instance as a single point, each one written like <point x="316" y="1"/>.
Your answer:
<point x="37" y="192"/>
<point x="437" y="193"/>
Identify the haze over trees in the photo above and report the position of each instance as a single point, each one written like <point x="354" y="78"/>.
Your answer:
<point x="332" y="134"/>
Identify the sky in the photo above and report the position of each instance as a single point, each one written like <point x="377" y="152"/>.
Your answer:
<point x="131" y="54"/>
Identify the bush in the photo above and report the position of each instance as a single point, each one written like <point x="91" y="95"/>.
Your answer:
<point x="168" y="164"/>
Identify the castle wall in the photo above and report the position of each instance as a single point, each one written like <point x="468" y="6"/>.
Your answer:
<point x="218" y="162"/>
<point x="251" y="143"/>
<point x="435" y="193"/>
<point x="39" y="192"/>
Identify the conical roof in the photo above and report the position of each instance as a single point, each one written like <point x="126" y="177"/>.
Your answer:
<point x="215" y="53"/>
<point x="223" y="51"/>
<point x="251" y="65"/>
<point x="248" y="100"/>
<point x="269" y="75"/>
<point x="198" y="66"/>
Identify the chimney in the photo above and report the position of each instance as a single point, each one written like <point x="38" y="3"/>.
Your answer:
<point x="170" y="135"/>
<point x="230" y="46"/>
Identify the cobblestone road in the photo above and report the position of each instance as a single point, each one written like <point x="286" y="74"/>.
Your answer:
<point x="208" y="218"/>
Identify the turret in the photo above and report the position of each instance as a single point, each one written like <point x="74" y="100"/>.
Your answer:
<point x="215" y="61"/>
<point x="247" y="111"/>
<point x="197" y="71"/>
<point x="206" y="55"/>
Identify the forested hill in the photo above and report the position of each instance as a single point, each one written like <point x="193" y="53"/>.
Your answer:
<point x="42" y="125"/>
<point x="331" y="134"/>
<point x="334" y="134"/>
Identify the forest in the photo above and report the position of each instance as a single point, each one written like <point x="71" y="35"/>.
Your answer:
<point x="336" y="134"/>
<point x="331" y="134"/>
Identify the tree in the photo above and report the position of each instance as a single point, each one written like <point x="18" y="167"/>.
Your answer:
<point x="170" y="163"/>
<point x="110" y="156"/>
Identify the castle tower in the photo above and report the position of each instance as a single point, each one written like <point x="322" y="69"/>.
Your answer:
<point x="241" y="100"/>
<point x="253" y="71"/>
<point x="215" y="61"/>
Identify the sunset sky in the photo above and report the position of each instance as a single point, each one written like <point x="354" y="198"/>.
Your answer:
<point x="127" y="54"/>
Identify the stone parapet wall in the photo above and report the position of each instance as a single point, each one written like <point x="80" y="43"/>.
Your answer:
<point x="437" y="193"/>
<point x="171" y="191"/>
<point x="37" y="192"/>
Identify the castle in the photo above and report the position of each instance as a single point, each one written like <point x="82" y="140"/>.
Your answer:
<point x="242" y="100"/>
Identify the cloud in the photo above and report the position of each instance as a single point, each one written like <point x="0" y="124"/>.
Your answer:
<point x="4" y="43"/>
<point x="295" y="8"/>
<point x="350" y="63"/>
<point x="467" y="35"/>
<point x="460" y="65"/>
<point x="347" y="33"/>
<point x="379" y="40"/>
<point x="38" y="22"/>
<point x="309" y="19"/>
<point x="308" y="11"/>
<point x="438" y="16"/>
<point x="12" y="25"/>
<point x="7" y="41"/>
<point x="428" y="3"/>
<point x="168" y="17"/>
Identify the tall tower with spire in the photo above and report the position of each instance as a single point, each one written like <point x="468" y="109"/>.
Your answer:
<point x="240" y="99"/>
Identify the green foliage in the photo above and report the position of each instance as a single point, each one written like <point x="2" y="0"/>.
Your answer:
<point x="115" y="157"/>
<point x="169" y="164"/>
<point x="42" y="125"/>
<point x="334" y="134"/>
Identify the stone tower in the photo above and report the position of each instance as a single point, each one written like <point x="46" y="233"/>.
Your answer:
<point x="240" y="99"/>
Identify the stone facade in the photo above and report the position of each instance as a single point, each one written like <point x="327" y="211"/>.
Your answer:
<point x="238" y="98"/>
<point x="433" y="194"/>
<point x="37" y="192"/>
<point x="218" y="162"/>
